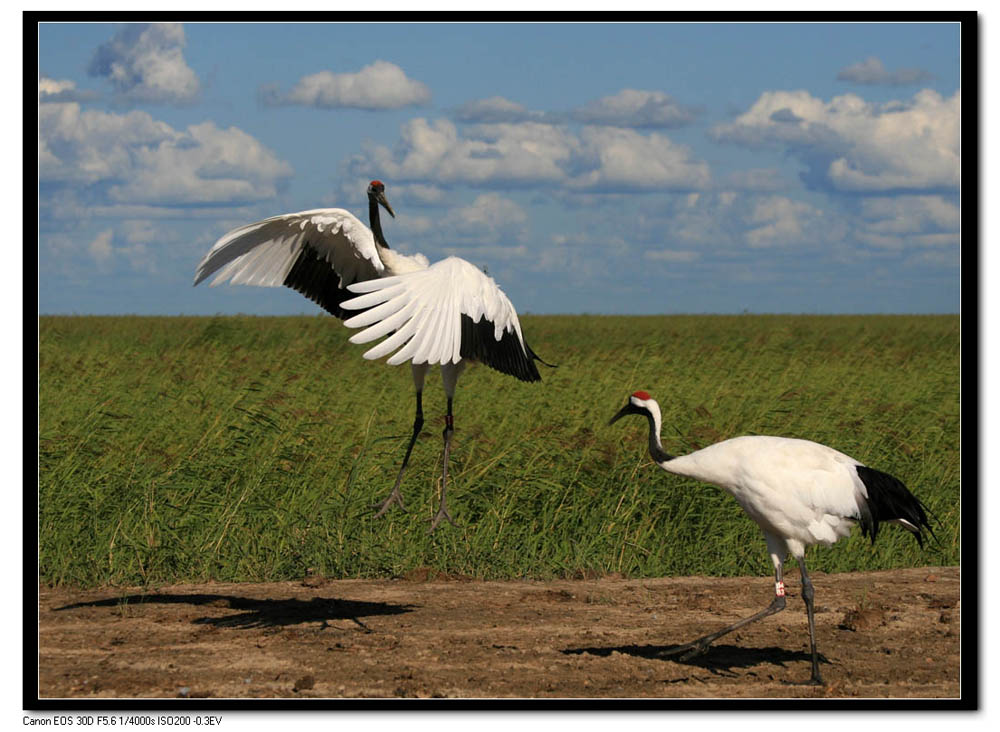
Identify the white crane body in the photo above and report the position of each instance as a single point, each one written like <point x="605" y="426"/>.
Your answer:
<point x="793" y="488"/>
<point x="445" y="313"/>
<point x="799" y="492"/>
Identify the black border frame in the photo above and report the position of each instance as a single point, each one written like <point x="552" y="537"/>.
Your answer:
<point x="970" y="327"/>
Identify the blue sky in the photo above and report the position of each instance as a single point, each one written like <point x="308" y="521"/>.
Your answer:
<point x="598" y="168"/>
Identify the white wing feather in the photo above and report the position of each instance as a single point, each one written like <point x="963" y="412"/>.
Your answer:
<point x="425" y="310"/>
<point x="262" y="253"/>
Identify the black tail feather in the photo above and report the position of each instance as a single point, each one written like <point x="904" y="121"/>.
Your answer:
<point x="888" y="500"/>
<point x="506" y="355"/>
<point x="535" y="356"/>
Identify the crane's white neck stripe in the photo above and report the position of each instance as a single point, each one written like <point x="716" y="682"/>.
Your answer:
<point x="655" y="425"/>
<point x="654" y="409"/>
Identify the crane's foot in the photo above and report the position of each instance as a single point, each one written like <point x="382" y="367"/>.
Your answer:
<point x="395" y="497"/>
<point x="442" y="513"/>
<point x="687" y="651"/>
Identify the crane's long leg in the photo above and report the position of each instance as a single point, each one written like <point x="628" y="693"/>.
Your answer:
<point x="807" y="595"/>
<point x="419" y="371"/>
<point x="700" y="645"/>
<point x="442" y="512"/>
<point x="449" y="377"/>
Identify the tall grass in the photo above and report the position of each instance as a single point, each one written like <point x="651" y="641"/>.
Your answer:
<point x="242" y="448"/>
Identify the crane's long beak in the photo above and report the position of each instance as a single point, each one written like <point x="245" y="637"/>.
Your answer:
<point x="385" y="204"/>
<point x="629" y="408"/>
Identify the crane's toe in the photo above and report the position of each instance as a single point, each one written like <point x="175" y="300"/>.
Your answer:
<point x="441" y="514"/>
<point x="686" y="651"/>
<point x="395" y="497"/>
<point x="698" y="649"/>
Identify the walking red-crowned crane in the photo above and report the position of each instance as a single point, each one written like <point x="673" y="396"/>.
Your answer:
<point x="447" y="313"/>
<point x="799" y="492"/>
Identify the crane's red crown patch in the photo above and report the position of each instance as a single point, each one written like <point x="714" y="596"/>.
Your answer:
<point x="641" y="395"/>
<point x="377" y="183"/>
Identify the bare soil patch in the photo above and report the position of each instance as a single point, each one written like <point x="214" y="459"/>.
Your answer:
<point x="882" y="634"/>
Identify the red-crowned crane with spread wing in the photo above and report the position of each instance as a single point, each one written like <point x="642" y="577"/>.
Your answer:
<point x="799" y="492"/>
<point x="445" y="313"/>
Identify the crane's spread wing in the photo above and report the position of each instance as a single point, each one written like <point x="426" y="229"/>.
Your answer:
<point x="317" y="253"/>
<point x="442" y="314"/>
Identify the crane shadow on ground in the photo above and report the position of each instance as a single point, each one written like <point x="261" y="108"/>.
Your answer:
<point x="259" y="613"/>
<point x="718" y="659"/>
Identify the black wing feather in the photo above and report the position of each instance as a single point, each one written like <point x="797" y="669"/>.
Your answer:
<point x="313" y="276"/>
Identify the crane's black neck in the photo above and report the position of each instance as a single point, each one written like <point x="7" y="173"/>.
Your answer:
<point x="656" y="451"/>
<point x="376" y="223"/>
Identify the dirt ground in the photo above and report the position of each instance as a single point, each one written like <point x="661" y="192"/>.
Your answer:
<point x="880" y="634"/>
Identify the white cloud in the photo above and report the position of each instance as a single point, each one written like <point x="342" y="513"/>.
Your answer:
<point x="207" y="164"/>
<point x="693" y="222"/>
<point x="421" y="194"/>
<point x="380" y="85"/>
<point x="138" y="160"/>
<point x="65" y="206"/>
<point x="88" y="146"/>
<point x="62" y="90"/>
<point x="581" y="258"/>
<point x="138" y="232"/>
<point x="490" y="228"/>
<point x="873" y="71"/>
<point x="699" y="222"/>
<point x="145" y="63"/>
<point x="909" y="222"/>
<point x="435" y="153"/>
<point x="779" y="221"/>
<point x="636" y="108"/>
<point x="495" y="109"/>
<point x="735" y="222"/>
<point x="489" y="219"/>
<point x="129" y="246"/>
<point x="621" y="159"/>
<point x="135" y="254"/>
<point x="910" y="214"/>
<point x="100" y="248"/>
<point x="628" y="108"/>
<point x="532" y="154"/>
<point x="852" y="145"/>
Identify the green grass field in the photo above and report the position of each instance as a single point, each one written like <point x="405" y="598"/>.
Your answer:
<point x="248" y="449"/>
